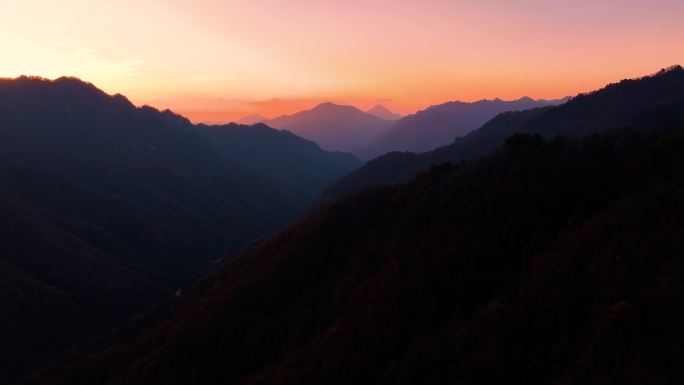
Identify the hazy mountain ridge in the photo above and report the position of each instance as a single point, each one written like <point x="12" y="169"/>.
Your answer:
<point x="333" y="126"/>
<point x="439" y="125"/>
<point x="252" y="119"/>
<point x="383" y="112"/>
<point x="652" y="103"/>
<point x="109" y="207"/>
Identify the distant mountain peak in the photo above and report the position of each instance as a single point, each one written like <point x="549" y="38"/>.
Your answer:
<point x="252" y="119"/>
<point x="330" y="106"/>
<point x="327" y="105"/>
<point x="333" y="126"/>
<point x="383" y="112"/>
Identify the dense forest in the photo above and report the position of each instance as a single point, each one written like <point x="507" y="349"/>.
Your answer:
<point x="550" y="261"/>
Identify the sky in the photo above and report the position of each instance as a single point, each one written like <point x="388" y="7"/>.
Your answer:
<point x="216" y="61"/>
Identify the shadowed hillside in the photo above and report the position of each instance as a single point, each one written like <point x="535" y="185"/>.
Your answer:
<point x="651" y="102"/>
<point x="279" y="155"/>
<point x="107" y="208"/>
<point x="549" y="262"/>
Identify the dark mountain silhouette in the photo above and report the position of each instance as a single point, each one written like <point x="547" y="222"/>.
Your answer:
<point x="650" y="102"/>
<point x="252" y="119"/>
<point x="281" y="156"/>
<point x="439" y="125"/>
<point x="383" y="112"/>
<point x="333" y="126"/>
<point x="549" y="262"/>
<point x="106" y="208"/>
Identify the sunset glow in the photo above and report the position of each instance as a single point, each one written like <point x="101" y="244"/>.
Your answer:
<point x="216" y="61"/>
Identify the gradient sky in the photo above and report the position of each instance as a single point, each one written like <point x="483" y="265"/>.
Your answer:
<point x="217" y="60"/>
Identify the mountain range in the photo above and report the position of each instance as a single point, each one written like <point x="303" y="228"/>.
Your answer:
<point x="108" y="208"/>
<point x="379" y="130"/>
<point x="647" y="103"/>
<point x="383" y="112"/>
<point x="439" y="125"/>
<point x="544" y="247"/>
<point x="333" y="126"/>
<point x="547" y="261"/>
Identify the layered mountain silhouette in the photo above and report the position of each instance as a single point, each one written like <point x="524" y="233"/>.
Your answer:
<point x="107" y="208"/>
<point x="544" y="247"/>
<point x="548" y="262"/>
<point x="383" y="112"/>
<point x="280" y="156"/>
<point x="646" y="103"/>
<point x="439" y="125"/>
<point x="333" y="126"/>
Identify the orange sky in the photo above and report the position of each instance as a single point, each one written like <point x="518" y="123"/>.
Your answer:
<point x="219" y="60"/>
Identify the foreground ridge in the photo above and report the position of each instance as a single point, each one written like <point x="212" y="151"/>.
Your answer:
<point x="549" y="261"/>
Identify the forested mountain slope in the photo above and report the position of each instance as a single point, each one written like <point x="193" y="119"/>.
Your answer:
<point x="549" y="262"/>
<point x="107" y="208"/>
